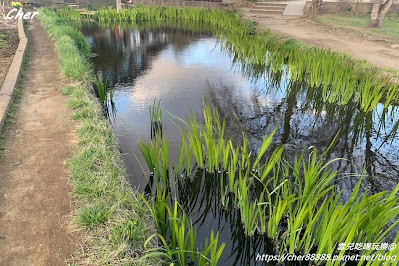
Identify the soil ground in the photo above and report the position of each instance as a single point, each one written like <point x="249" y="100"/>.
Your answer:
<point x="34" y="193"/>
<point x="8" y="45"/>
<point x="383" y="53"/>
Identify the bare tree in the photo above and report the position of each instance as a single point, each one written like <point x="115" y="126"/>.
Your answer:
<point x="5" y="7"/>
<point x="378" y="12"/>
<point x="3" y="11"/>
<point x="118" y="5"/>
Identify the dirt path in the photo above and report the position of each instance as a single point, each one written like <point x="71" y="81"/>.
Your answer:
<point x="34" y="193"/>
<point x="384" y="54"/>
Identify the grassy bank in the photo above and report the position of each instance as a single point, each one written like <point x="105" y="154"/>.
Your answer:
<point x="389" y="28"/>
<point x="111" y="218"/>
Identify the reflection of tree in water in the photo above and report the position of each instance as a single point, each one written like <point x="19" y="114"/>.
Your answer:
<point x="126" y="52"/>
<point x="364" y="140"/>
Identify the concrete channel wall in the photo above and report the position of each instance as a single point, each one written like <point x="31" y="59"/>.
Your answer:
<point x="13" y="75"/>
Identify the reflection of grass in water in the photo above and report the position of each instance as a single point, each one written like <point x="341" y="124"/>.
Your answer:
<point x="297" y="207"/>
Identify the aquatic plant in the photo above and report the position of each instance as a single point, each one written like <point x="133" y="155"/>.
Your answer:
<point x="156" y="155"/>
<point x="297" y="207"/>
<point x="68" y="13"/>
<point x="178" y="235"/>
<point x="101" y="89"/>
<point x="105" y="94"/>
<point x="156" y="118"/>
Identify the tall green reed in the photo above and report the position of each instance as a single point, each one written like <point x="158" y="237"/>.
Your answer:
<point x="298" y="207"/>
<point x="178" y="235"/>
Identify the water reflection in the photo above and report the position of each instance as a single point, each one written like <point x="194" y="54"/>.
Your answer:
<point x="181" y="66"/>
<point x="366" y="140"/>
<point x="200" y="197"/>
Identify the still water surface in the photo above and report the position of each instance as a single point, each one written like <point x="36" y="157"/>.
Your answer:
<point x="182" y="67"/>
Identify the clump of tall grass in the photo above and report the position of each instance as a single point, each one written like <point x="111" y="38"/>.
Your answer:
<point x="67" y="13"/>
<point x="101" y="90"/>
<point x="108" y="212"/>
<point x="156" y="118"/>
<point x="298" y="206"/>
<point x="104" y="92"/>
<point x="93" y="215"/>
<point x="178" y="235"/>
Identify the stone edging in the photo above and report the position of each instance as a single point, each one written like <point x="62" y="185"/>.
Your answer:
<point x="13" y="75"/>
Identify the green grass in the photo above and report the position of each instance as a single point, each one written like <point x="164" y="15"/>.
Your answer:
<point x="112" y="219"/>
<point x="93" y="215"/>
<point x="67" y="90"/>
<point x="390" y="25"/>
<point x="3" y="41"/>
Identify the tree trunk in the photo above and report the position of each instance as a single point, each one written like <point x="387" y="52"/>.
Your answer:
<point x="118" y="5"/>
<point x="384" y="12"/>
<point x="375" y="10"/>
<point x="378" y="12"/>
<point x="316" y="6"/>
